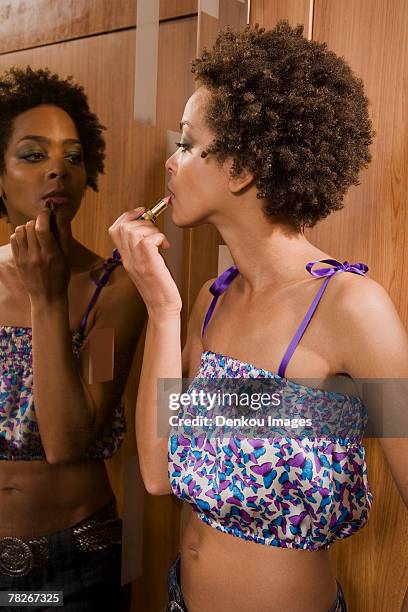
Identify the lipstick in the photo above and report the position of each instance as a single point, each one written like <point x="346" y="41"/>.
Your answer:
<point x="148" y="215"/>
<point x="158" y="209"/>
<point x="53" y="223"/>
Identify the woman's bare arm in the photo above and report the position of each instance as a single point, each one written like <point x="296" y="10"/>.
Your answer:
<point x="138" y="243"/>
<point x="163" y="359"/>
<point x="70" y="412"/>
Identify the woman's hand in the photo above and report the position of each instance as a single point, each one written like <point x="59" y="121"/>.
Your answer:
<point x="138" y="243"/>
<point x="41" y="260"/>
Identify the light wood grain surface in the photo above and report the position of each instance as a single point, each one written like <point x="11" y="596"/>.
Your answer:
<point x="33" y="23"/>
<point x="371" y="35"/>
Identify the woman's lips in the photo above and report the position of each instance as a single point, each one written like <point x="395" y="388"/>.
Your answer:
<point x="58" y="199"/>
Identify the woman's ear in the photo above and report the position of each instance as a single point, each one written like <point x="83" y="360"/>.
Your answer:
<point x="240" y="182"/>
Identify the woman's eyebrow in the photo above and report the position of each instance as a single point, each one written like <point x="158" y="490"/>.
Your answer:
<point x="185" y="123"/>
<point x="47" y="140"/>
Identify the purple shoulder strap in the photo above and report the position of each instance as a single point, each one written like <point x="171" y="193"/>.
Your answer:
<point x="217" y="288"/>
<point x="109" y="265"/>
<point x="357" y="268"/>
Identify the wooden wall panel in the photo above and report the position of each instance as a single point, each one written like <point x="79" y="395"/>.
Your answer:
<point x="134" y="175"/>
<point x="268" y="12"/>
<point x="372" y="35"/>
<point x="32" y="23"/>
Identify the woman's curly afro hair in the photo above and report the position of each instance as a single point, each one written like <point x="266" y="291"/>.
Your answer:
<point x="21" y="90"/>
<point x="291" y="112"/>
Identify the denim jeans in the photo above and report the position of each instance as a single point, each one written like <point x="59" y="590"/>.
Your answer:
<point x="90" y="581"/>
<point x="176" y="602"/>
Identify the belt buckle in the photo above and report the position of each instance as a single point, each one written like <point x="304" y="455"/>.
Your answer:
<point x="174" y="607"/>
<point x="16" y="557"/>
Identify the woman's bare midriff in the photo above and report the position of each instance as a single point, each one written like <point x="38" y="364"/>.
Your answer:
<point x="38" y="498"/>
<point x="223" y="573"/>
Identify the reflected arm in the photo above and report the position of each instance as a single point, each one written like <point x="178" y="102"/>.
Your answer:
<point x="70" y="412"/>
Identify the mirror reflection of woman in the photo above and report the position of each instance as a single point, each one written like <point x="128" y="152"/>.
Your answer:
<point x="273" y="137"/>
<point x="59" y="528"/>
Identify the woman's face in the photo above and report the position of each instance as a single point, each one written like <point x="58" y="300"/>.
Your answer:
<point x="43" y="160"/>
<point x="199" y="185"/>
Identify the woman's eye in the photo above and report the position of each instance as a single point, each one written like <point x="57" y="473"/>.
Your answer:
<point x="183" y="145"/>
<point x="34" y="156"/>
<point x="75" y="158"/>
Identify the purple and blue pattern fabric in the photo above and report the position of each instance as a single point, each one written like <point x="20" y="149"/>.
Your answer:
<point x="19" y="434"/>
<point x="289" y="492"/>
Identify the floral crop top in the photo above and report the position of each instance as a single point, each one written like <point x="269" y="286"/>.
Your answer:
<point x="282" y="491"/>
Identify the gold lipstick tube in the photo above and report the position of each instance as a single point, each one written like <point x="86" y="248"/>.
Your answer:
<point x="158" y="209"/>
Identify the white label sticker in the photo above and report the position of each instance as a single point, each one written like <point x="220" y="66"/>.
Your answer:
<point x="147" y="51"/>
<point x="211" y="7"/>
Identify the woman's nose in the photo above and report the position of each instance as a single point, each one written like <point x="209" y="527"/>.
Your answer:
<point x="170" y="164"/>
<point x="57" y="169"/>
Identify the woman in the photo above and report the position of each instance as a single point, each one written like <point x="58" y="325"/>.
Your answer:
<point x="272" y="138"/>
<point x="59" y="528"/>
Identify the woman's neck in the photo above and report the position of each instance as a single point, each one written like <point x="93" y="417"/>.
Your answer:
<point x="267" y="250"/>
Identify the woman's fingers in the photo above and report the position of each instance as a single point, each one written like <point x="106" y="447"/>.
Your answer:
<point x="116" y="229"/>
<point x="158" y="240"/>
<point x="138" y="243"/>
<point x="43" y="231"/>
<point x="146" y="257"/>
<point x="131" y="233"/>
<point x="21" y="238"/>
<point x="128" y="231"/>
<point x="14" y="246"/>
<point x="128" y="239"/>
<point x="32" y="240"/>
<point x="126" y="216"/>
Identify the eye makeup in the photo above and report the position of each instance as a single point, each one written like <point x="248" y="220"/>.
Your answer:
<point x="35" y="154"/>
<point x="183" y="145"/>
<point x="26" y="154"/>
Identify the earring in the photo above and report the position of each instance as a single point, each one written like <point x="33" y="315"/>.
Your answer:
<point x="204" y="154"/>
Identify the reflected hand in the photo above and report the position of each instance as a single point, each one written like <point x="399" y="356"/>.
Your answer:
<point x="42" y="260"/>
<point x="138" y="243"/>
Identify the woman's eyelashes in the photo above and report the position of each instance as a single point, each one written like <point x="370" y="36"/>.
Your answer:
<point x="184" y="146"/>
<point x="32" y="156"/>
<point x="74" y="157"/>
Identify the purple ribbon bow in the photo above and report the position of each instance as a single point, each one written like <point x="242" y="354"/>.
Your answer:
<point x="108" y="265"/>
<point x="337" y="266"/>
<point x="217" y="288"/>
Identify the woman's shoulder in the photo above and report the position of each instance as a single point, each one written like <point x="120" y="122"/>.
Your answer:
<point x="356" y="301"/>
<point x="354" y="293"/>
<point x="370" y="332"/>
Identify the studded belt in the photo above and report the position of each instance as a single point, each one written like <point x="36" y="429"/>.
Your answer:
<point x="100" y="531"/>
